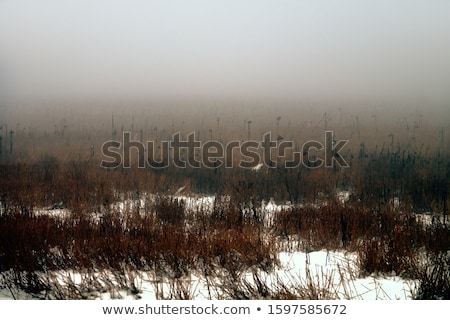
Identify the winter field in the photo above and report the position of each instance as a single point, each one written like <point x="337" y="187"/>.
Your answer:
<point x="374" y="227"/>
<point x="159" y="152"/>
<point x="292" y="271"/>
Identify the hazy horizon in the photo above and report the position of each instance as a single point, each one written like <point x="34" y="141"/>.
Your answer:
<point x="288" y="50"/>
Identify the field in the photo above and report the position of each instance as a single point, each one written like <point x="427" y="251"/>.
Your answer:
<point x="71" y="228"/>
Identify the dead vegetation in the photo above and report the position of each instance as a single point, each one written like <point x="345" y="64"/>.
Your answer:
<point x="391" y="179"/>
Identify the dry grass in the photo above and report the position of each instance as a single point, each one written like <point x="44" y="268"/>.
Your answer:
<point x="404" y="160"/>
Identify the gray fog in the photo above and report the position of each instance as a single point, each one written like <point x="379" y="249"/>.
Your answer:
<point x="259" y="49"/>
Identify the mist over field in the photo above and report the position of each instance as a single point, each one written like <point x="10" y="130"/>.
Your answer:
<point x="76" y="74"/>
<point x="343" y="108"/>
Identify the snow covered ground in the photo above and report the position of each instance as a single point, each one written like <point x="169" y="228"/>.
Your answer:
<point x="335" y="272"/>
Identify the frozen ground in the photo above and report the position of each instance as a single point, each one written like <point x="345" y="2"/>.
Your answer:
<point x="331" y="272"/>
<point x="334" y="272"/>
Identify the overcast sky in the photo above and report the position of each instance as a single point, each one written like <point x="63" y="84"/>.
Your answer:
<point x="229" y="48"/>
